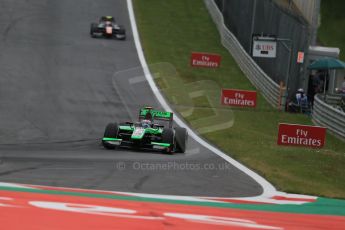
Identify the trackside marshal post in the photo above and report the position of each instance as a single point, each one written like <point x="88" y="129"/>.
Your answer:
<point x="301" y="135"/>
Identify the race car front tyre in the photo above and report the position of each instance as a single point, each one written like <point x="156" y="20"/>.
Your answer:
<point x="111" y="131"/>
<point x="168" y="137"/>
<point x="93" y="29"/>
<point x="121" y="33"/>
<point x="181" y="137"/>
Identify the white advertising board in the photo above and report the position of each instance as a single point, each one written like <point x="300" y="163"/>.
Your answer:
<point x="264" y="47"/>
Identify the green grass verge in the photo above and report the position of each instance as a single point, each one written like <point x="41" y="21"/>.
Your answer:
<point x="169" y="31"/>
<point x="331" y="31"/>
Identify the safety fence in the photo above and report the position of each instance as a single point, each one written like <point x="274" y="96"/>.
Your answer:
<point x="270" y="89"/>
<point x="328" y="113"/>
<point x="247" y="18"/>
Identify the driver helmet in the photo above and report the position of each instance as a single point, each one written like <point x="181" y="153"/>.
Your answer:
<point x="146" y="123"/>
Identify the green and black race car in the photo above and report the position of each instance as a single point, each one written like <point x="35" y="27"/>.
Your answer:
<point x="153" y="131"/>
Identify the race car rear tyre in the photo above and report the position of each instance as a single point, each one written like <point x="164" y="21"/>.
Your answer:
<point x="168" y="137"/>
<point x="111" y="131"/>
<point x="181" y="137"/>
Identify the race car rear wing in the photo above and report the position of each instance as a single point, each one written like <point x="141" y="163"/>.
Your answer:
<point x="156" y="115"/>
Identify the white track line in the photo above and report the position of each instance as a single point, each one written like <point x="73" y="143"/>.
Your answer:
<point x="296" y="198"/>
<point x="268" y="189"/>
<point x="13" y="185"/>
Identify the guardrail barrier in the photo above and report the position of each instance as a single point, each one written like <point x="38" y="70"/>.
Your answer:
<point x="328" y="113"/>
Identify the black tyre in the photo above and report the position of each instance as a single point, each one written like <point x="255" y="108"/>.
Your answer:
<point x="111" y="131"/>
<point x="181" y="137"/>
<point x="168" y="137"/>
<point x="121" y="31"/>
<point x="93" y="29"/>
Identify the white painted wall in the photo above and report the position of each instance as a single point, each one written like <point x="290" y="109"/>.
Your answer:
<point x="307" y="7"/>
<point x="311" y="11"/>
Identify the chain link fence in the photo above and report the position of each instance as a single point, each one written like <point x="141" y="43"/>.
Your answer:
<point x="269" y="88"/>
<point x="245" y="18"/>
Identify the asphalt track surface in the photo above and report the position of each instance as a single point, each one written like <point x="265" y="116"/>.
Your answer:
<point x="58" y="90"/>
